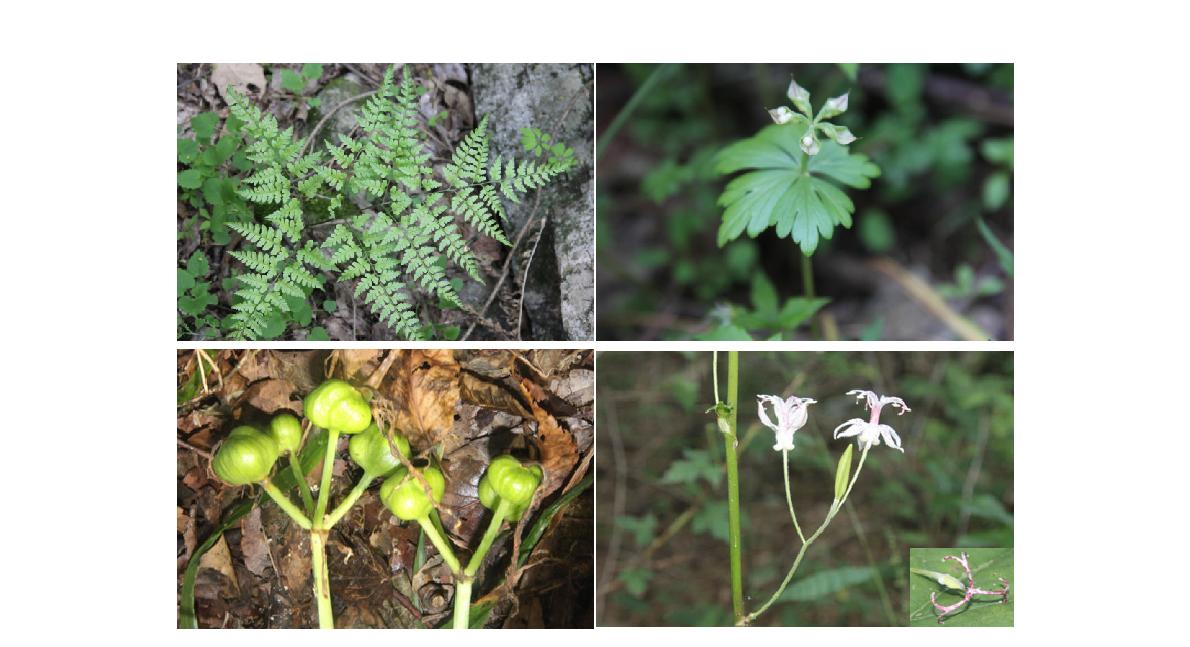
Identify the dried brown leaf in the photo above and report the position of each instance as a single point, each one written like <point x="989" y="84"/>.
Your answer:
<point x="558" y="452"/>
<point x="246" y="78"/>
<point x="254" y="544"/>
<point x="425" y="390"/>
<point x="218" y="558"/>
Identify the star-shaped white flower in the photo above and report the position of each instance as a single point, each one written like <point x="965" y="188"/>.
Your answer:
<point x="871" y="432"/>
<point x="791" y="415"/>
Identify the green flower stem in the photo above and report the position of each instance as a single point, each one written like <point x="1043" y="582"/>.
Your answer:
<point x="808" y="287"/>
<point x="345" y="505"/>
<point x="733" y="486"/>
<point x="328" y="466"/>
<point x="322" y="580"/>
<point x="303" y="486"/>
<point x="285" y="504"/>
<point x="441" y="544"/>
<point x="463" y="603"/>
<point x="788" y="496"/>
<point x="463" y="584"/>
<point x="835" y="507"/>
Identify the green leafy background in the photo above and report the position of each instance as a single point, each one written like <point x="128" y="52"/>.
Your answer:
<point x="986" y="564"/>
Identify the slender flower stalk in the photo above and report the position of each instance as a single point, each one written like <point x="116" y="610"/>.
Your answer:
<point x="867" y="433"/>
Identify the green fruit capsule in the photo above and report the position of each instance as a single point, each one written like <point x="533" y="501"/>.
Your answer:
<point x="513" y="482"/>
<point x="337" y="405"/>
<point x="247" y="456"/>
<point x="286" y="431"/>
<point x="403" y="494"/>
<point x="370" y="451"/>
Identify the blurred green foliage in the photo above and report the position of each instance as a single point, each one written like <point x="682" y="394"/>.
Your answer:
<point x="662" y="522"/>
<point x="941" y="135"/>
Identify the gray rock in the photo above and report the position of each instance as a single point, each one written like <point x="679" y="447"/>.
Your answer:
<point x="557" y="99"/>
<point x="336" y="92"/>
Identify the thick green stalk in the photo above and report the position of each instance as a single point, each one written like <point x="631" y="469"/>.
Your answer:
<point x="322" y="580"/>
<point x="303" y="486"/>
<point x="285" y="504"/>
<point x="788" y="496"/>
<point x="441" y="544"/>
<point x="835" y="507"/>
<point x="463" y="584"/>
<point x="318" y="535"/>
<point x="328" y="466"/>
<point x="345" y="505"/>
<point x="489" y="536"/>
<point x="733" y="486"/>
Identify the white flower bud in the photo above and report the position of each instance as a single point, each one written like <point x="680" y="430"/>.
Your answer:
<point x="781" y="115"/>
<point x="800" y="98"/>
<point x="809" y="145"/>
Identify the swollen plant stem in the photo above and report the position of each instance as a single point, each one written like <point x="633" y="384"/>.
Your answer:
<point x="462" y="611"/>
<point x="285" y="504"/>
<point x="788" y="496"/>
<point x="322" y="580"/>
<point x="345" y="505"/>
<point x="304" y="487"/>
<point x="835" y="507"/>
<point x="733" y="486"/>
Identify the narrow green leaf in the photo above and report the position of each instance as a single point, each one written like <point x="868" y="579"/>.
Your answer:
<point x="188" y="619"/>
<point x="824" y="583"/>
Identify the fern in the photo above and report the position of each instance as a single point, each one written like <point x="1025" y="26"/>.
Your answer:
<point x="398" y="248"/>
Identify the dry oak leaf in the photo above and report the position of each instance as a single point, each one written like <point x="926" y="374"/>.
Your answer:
<point x="425" y="389"/>
<point x="558" y="452"/>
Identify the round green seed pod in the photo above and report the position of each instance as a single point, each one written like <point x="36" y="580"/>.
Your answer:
<point x="513" y="482"/>
<point x="487" y="495"/>
<point x="286" y="431"/>
<point x="337" y="405"/>
<point x="370" y="451"/>
<point x="247" y="456"/>
<point x="403" y="495"/>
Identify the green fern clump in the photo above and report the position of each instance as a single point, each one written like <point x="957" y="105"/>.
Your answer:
<point x="400" y="246"/>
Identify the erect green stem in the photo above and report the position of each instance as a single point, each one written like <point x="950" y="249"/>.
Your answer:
<point x="808" y="288"/>
<point x="345" y="505"/>
<point x="303" y="486"/>
<point x="835" y="507"/>
<point x="328" y="466"/>
<point x="322" y="580"/>
<point x="788" y="496"/>
<point x="463" y="584"/>
<point x="733" y="486"/>
<point x="462" y="613"/>
<point x="441" y="544"/>
<point x="485" y="544"/>
<point x="621" y="117"/>
<point x="285" y="504"/>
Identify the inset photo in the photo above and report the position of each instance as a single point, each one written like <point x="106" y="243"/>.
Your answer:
<point x="323" y="201"/>
<point x="385" y="489"/>
<point x="805" y="201"/>
<point x="960" y="587"/>
<point x="786" y="489"/>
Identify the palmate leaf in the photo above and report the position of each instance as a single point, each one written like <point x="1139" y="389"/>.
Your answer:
<point x="775" y="191"/>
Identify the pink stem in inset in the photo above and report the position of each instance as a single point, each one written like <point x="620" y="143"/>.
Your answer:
<point x="943" y="611"/>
